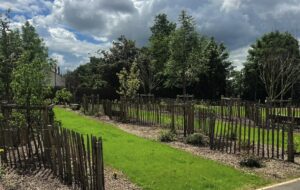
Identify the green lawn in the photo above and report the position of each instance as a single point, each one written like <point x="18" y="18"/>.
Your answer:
<point x="153" y="165"/>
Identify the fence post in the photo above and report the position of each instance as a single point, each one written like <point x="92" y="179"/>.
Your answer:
<point x="93" y="103"/>
<point x="290" y="136"/>
<point x="190" y="118"/>
<point x="173" y="117"/>
<point x="84" y="102"/>
<point x="99" y="166"/>
<point x="211" y="130"/>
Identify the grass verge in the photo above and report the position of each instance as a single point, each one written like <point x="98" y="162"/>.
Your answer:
<point x="153" y="165"/>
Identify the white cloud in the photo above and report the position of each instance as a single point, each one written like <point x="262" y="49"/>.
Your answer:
<point x="237" y="23"/>
<point x="239" y="56"/>
<point x="59" y="58"/>
<point x="230" y="5"/>
<point x="62" y="40"/>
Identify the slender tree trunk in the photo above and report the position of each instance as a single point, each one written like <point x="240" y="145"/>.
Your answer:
<point x="184" y="85"/>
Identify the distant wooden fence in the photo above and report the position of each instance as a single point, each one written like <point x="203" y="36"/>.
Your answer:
<point x="31" y="140"/>
<point x="233" y="126"/>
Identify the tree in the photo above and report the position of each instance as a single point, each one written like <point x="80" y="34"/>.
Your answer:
<point x="150" y="74"/>
<point x="217" y="68"/>
<point x="276" y="57"/>
<point x="29" y="78"/>
<point x="234" y="86"/>
<point x="10" y="50"/>
<point x="159" y="44"/>
<point x="129" y="81"/>
<point x="184" y="64"/>
<point x="63" y="96"/>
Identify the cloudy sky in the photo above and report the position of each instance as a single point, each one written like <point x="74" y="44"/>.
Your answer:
<point x="74" y="29"/>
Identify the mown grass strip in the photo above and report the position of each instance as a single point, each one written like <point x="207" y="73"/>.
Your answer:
<point x="153" y="165"/>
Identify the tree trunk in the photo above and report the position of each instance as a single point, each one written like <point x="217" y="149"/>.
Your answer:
<point x="183" y="85"/>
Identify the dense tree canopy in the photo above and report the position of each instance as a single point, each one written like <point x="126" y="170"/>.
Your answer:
<point x="175" y="58"/>
<point x="24" y="64"/>
<point x="272" y="67"/>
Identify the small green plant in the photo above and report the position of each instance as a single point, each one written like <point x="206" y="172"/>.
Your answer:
<point x="251" y="162"/>
<point x="197" y="139"/>
<point x="62" y="96"/>
<point x="167" y="136"/>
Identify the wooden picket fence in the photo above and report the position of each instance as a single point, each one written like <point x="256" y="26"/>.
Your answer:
<point x="31" y="139"/>
<point x="265" y="130"/>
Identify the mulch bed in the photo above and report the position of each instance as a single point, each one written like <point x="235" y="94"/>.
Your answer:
<point x="43" y="179"/>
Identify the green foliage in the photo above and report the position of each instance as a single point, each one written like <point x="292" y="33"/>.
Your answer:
<point x="24" y="65"/>
<point x="271" y="47"/>
<point x="63" y="96"/>
<point x="159" y="47"/>
<point x="185" y="60"/>
<point x="10" y="50"/>
<point x="150" y="74"/>
<point x="167" y="136"/>
<point x="218" y="67"/>
<point x="197" y="139"/>
<point x="129" y="81"/>
<point x="29" y="80"/>
<point x="251" y="162"/>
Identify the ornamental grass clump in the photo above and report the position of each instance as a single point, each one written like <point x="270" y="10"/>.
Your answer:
<point x="251" y="162"/>
<point x="167" y="136"/>
<point x="197" y="139"/>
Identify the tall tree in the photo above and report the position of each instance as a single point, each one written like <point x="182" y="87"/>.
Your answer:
<point x="150" y="73"/>
<point x="121" y="55"/>
<point x="276" y="57"/>
<point x="29" y="79"/>
<point x="217" y="69"/>
<point x="159" y="44"/>
<point x="253" y="86"/>
<point x="10" y="50"/>
<point x="183" y="67"/>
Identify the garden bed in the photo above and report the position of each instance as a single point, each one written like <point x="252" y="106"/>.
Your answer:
<point x="43" y="179"/>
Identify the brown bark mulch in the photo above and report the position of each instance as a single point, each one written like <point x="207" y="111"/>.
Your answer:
<point x="43" y="179"/>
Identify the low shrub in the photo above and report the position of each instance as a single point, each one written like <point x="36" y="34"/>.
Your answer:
<point x="62" y="96"/>
<point x="251" y="162"/>
<point x="167" y="136"/>
<point x="197" y="139"/>
<point x="75" y="106"/>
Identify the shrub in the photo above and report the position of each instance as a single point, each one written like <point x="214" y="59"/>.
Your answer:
<point x="167" y="136"/>
<point x="62" y="96"/>
<point x="251" y="162"/>
<point x="75" y="106"/>
<point x="197" y="139"/>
